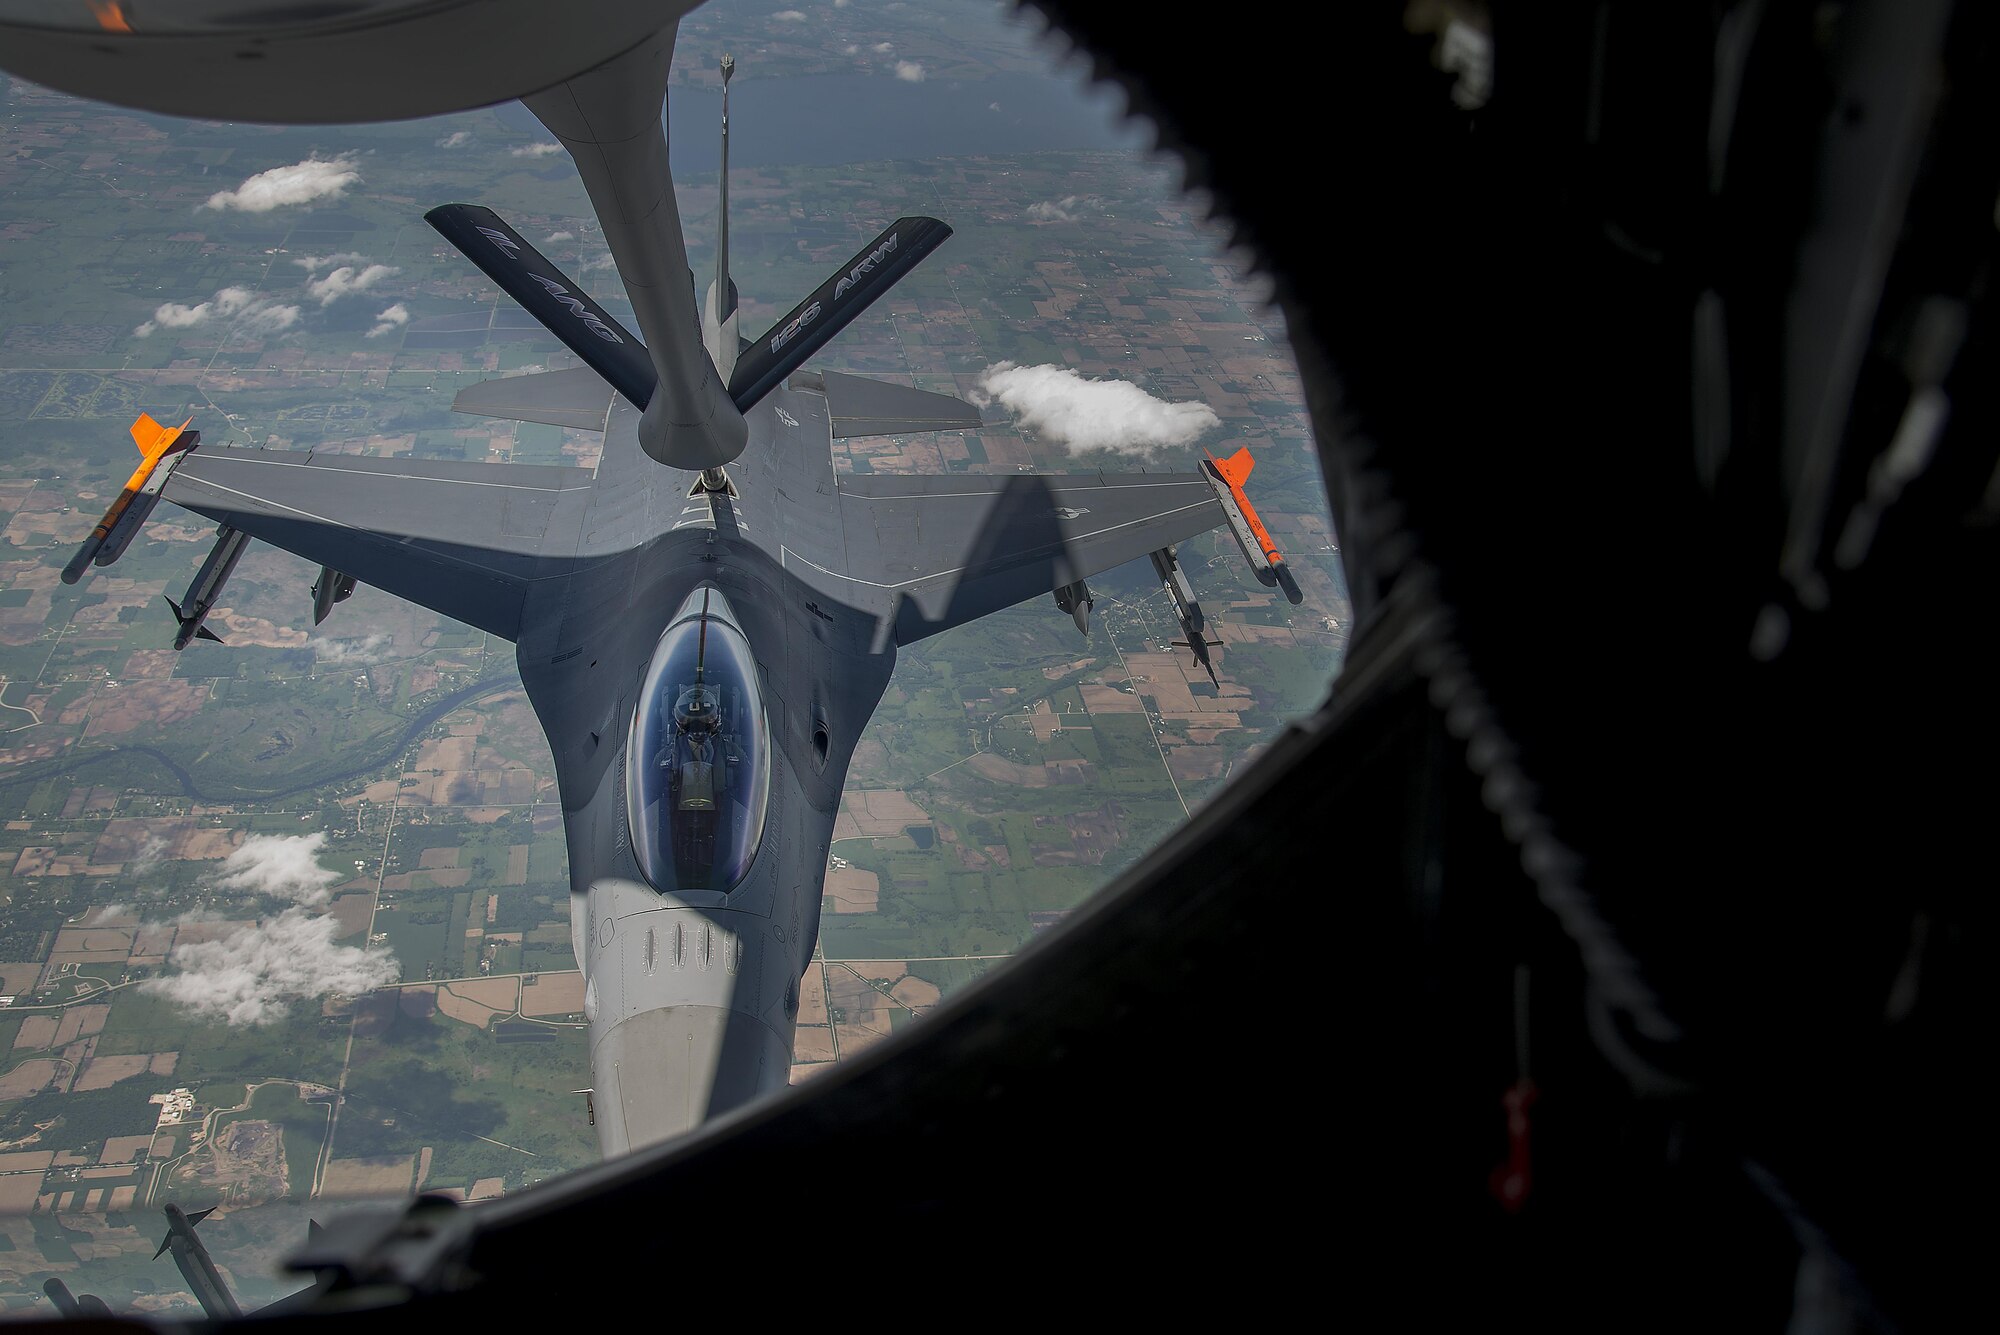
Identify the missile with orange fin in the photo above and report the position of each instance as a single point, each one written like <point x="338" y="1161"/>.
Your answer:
<point x="1226" y="477"/>
<point x="121" y="523"/>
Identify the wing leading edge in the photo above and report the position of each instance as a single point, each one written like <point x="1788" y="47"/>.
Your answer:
<point x="463" y="539"/>
<point x="941" y="551"/>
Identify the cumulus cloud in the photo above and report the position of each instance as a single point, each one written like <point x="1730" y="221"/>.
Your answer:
<point x="1054" y="210"/>
<point x="257" y="314"/>
<point x="352" y="652"/>
<point x="883" y="48"/>
<point x="456" y="139"/>
<point x="172" y="315"/>
<point x="842" y="4"/>
<point x="910" y="71"/>
<point x="394" y="318"/>
<point x="993" y="106"/>
<point x="1062" y="406"/>
<point x="300" y="183"/>
<point x="604" y="261"/>
<point x="252" y="975"/>
<point x="284" y="866"/>
<point x="851" y="48"/>
<point x="540" y="150"/>
<point x="554" y="237"/>
<point x="790" y="16"/>
<point x="314" y="263"/>
<point x="269" y="319"/>
<point x="347" y="280"/>
<point x="147" y="858"/>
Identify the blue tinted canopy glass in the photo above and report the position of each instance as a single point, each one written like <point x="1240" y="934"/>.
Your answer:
<point x="698" y="764"/>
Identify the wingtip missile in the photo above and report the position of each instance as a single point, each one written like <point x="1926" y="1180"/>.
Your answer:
<point x="1226" y="477"/>
<point x="128" y="513"/>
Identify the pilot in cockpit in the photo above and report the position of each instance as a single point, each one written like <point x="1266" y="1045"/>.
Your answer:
<point x="697" y="724"/>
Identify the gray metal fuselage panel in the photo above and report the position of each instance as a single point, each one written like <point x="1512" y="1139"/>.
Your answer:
<point x="691" y="998"/>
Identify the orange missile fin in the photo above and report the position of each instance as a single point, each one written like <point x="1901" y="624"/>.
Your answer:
<point x="1235" y="471"/>
<point x="110" y="15"/>
<point x="153" y="439"/>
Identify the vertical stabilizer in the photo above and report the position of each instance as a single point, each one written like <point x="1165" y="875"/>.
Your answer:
<point x="718" y="316"/>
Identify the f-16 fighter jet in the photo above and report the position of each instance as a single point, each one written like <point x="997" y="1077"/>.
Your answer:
<point x="706" y="620"/>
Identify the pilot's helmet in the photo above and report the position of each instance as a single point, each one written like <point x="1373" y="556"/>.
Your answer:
<point x="697" y="710"/>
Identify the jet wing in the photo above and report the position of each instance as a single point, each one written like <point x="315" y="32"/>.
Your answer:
<point x="576" y="398"/>
<point x="459" y="538"/>
<point x="859" y="406"/>
<point x="947" y="550"/>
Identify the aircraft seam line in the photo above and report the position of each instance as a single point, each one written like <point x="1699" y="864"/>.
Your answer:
<point x="939" y="574"/>
<point x="401" y="477"/>
<point x="949" y="495"/>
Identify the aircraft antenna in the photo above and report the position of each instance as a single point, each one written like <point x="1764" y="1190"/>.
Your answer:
<point x="725" y="293"/>
<point x="701" y="641"/>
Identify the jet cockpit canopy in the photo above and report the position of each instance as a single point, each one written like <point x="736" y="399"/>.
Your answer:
<point x="698" y="764"/>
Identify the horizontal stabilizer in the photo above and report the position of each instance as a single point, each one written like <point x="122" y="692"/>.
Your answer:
<point x="862" y="407"/>
<point x="546" y="293"/>
<point x="576" y="398"/>
<point x="805" y="329"/>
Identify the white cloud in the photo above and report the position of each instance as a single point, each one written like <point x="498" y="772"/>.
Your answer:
<point x="1064" y="407"/>
<point x="604" y="261"/>
<point x="790" y="16"/>
<point x="882" y="48"/>
<point x="300" y="183"/>
<point x="346" y="281"/>
<point x="842" y="4"/>
<point x="554" y="237"/>
<point x="540" y="150"/>
<point x="910" y="71"/>
<point x="1054" y="210"/>
<point x="394" y="318"/>
<point x="269" y="319"/>
<point x="993" y="106"/>
<point x="284" y="866"/>
<point x="314" y="263"/>
<point x="851" y="48"/>
<point x="147" y="858"/>
<point x="251" y="976"/>
<point x="352" y="653"/>
<point x="257" y="314"/>
<point x="172" y="315"/>
<point x="456" y="139"/>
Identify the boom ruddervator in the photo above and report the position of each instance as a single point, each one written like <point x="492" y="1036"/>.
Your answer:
<point x="698" y="764"/>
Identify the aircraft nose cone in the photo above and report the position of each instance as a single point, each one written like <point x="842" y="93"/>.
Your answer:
<point x="663" y="1072"/>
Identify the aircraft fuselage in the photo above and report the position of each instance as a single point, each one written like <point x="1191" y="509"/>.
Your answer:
<point x="692" y="992"/>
